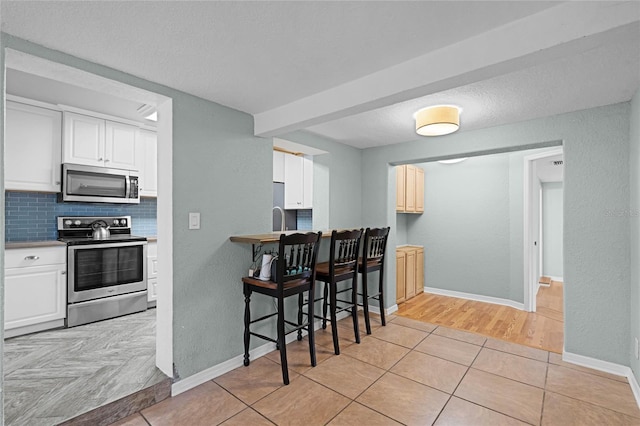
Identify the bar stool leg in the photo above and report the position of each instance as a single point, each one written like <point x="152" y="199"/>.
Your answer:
<point x="247" y="323"/>
<point x="324" y="305"/>
<point x="354" y="307"/>
<point x="300" y="303"/>
<point x="312" y="339"/>
<point x="381" y="296"/>
<point x="334" y="326"/>
<point x="365" y="301"/>
<point x="281" y="342"/>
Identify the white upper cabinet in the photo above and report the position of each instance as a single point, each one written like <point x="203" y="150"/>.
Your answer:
<point x="147" y="162"/>
<point x="32" y="148"/>
<point x="307" y="171"/>
<point x="298" y="182"/>
<point x="278" y="166"/>
<point x="120" y="146"/>
<point x="293" y="182"/>
<point x="97" y="142"/>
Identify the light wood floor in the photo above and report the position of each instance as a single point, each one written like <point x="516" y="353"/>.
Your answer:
<point x="543" y="329"/>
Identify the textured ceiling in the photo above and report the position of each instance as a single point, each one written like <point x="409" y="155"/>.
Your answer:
<point x="261" y="56"/>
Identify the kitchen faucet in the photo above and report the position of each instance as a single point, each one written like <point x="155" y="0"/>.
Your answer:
<point x="281" y="216"/>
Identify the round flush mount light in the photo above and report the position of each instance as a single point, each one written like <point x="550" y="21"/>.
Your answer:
<point x="437" y="120"/>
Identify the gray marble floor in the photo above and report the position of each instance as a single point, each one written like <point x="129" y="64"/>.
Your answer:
<point x="56" y="375"/>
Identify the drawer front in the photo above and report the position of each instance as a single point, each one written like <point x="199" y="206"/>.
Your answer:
<point x="38" y="256"/>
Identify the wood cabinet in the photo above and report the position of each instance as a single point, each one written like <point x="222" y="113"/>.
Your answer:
<point x="409" y="189"/>
<point x="409" y="272"/>
<point x="147" y="162"/>
<point x="35" y="289"/>
<point x="298" y="182"/>
<point x="33" y="146"/>
<point x="152" y="273"/>
<point x="97" y="142"/>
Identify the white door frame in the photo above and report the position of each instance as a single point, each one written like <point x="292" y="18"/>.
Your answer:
<point x="68" y="74"/>
<point x="531" y="222"/>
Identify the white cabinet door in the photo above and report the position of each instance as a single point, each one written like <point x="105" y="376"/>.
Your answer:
<point x="120" y="146"/>
<point x="147" y="162"/>
<point x="84" y="139"/>
<point x="293" y="182"/>
<point x="33" y="148"/>
<point x="152" y="272"/>
<point x="278" y="166"/>
<point x="307" y="168"/>
<point x="152" y="290"/>
<point x="34" y="295"/>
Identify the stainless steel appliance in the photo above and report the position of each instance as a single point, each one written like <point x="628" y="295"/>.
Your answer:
<point x="91" y="184"/>
<point x="106" y="277"/>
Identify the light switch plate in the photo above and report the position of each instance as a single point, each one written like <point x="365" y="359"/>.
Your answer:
<point x="194" y="220"/>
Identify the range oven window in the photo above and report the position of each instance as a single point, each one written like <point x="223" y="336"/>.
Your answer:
<point x="105" y="267"/>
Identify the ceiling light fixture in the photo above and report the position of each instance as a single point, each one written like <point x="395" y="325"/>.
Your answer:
<point x="437" y="120"/>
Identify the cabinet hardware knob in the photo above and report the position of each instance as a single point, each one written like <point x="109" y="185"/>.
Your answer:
<point x="32" y="258"/>
<point x="63" y="272"/>
<point x="58" y="182"/>
<point x="106" y="160"/>
<point x="100" y="159"/>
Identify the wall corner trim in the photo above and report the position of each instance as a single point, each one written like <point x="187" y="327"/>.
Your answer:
<point x="607" y="367"/>
<point x="476" y="297"/>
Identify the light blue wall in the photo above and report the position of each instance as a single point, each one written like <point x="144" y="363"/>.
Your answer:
<point x="552" y="209"/>
<point x="596" y="148"/>
<point x="634" y="217"/>
<point x="472" y="227"/>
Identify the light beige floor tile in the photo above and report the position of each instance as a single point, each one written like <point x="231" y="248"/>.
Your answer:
<point x="132" y="420"/>
<point x="400" y="335"/>
<point x="346" y="337"/>
<point x="357" y="414"/>
<point x="556" y="359"/>
<point x="560" y="410"/>
<point x="506" y="396"/>
<point x="205" y="404"/>
<point x="465" y="336"/>
<point x="374" y="320"/>
<point x="462" y="413"/>
<point x="586" y="387"/>
<point x="511" y="366"/>
<point x="430" y="370"/>
<point x="298" y="358"/>
<point x="345" y="375"/>
<point x="247" y="417"/>
<point x="255" y="381"/>
<point x="303" y="402"/>
<point x="449" y="349"/>
<point x="418" y="325"/>
<point x="404" y="400"/>
<point x="377" y="352"/>
<point x="512" y="348"/>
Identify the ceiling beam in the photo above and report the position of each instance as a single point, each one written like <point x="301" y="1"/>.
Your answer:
<point x="551" y="34"/>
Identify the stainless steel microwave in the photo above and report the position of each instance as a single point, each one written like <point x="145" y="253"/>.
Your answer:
<point x="92" y="184"/>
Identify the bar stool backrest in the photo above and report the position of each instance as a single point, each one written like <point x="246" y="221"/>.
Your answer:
<point x="297" y="255"/>
<point x="374" y="247"/>
<point x="344" y="250"/>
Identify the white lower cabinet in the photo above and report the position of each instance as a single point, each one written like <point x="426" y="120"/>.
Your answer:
<point x="152" y="272"/>
<point x="35" y="296"/>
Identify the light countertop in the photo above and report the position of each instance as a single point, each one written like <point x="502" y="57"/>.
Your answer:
<point x="32" y="244"/>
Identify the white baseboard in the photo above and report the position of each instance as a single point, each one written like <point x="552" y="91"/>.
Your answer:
<point x="555" y="278"/>
<point x="376" y="309"/>
<point x="607" y="367"/>
<point x="476" y="297"/>
<point x="235" y="362"/>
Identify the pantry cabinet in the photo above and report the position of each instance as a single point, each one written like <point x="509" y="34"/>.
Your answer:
<point x="97" y="142"/>
<point x="409" y="272"/>
<point x="409" y="189"/>
<point x="33" y="143"/>
<point x="34" y="289"/>
<point x="147" y="162"/>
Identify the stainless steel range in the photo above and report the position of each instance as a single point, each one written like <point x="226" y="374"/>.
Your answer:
<point x="106" y="268"/>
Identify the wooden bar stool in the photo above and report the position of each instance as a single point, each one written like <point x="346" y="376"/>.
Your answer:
<point x="295" y="275"/>
<point x="373" y="252"/>
<point x="342" y="266"/>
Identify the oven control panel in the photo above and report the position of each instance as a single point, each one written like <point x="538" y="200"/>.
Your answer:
<point x="86" y="222"/>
